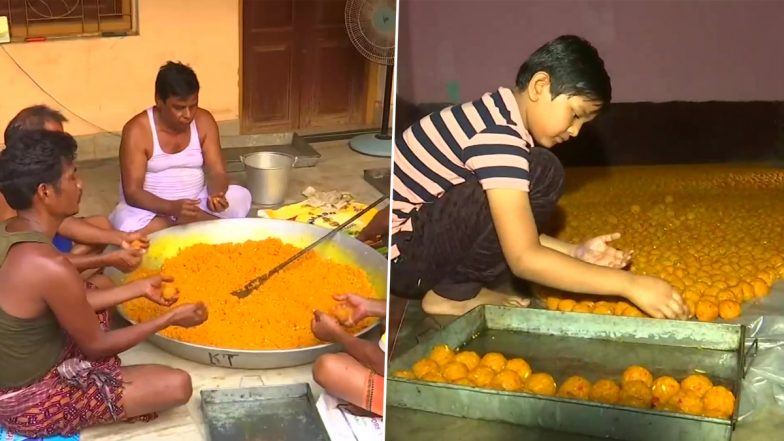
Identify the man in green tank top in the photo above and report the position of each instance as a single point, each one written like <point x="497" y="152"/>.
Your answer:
<point x="82" y="239"/>
<point x="60" y="370"/>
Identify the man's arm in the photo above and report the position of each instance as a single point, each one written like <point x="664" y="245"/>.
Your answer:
<point x="530" y="260"/>
<point x="378" y="226"/>
<point x="100" y="299"/>
<point x="377" y="308"/>
<point x="124" y="259"/>
<point x="79" y="230"/>
<point x="133" y="168"/>
<point x="366" y="352"/>
<point x="64" y="293"/>
<point x="214" y="167"/>
<point x="88" y="262"/>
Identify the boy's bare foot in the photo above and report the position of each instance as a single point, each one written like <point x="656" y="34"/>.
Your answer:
<point x="434" y="304"/>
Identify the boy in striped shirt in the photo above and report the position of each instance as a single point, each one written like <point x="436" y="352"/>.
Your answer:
<point x="471" y="192"/>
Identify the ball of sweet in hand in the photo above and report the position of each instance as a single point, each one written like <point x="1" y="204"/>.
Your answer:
<point x="169" y="291"/>
<point x="342" y="312"/>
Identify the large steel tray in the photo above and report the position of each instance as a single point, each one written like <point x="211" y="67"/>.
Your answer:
<point x="265" y="413"/>
<point x="565" y="344"/>
<point x="341" y="248"/>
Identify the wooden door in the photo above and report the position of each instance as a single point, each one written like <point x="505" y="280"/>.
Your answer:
<point x="269" y="85"/>
<point x="333" y="81"/>
<point x="299" y="69"/>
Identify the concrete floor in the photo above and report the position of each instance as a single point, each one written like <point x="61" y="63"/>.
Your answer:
<point x="339" y="169"/>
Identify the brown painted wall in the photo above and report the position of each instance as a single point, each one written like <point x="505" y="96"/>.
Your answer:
<point x="655" y="50"/>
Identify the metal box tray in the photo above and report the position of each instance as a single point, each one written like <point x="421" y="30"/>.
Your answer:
<point x="265" y="413"/>
<point x="594" y="346"/>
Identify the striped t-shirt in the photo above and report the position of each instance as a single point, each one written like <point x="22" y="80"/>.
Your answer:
<point x="485" y="137"/>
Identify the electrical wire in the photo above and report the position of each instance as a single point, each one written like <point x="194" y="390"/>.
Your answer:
<point x="60" y="103"/>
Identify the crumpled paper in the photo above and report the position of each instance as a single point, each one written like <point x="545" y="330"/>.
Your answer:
<point x="326" y="209"/>
<point x="329" y="200"/>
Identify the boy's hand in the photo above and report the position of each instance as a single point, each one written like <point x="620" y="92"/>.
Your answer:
<point x="599" y="252"/>
<point x="358" y="305"/>
<point x="217" y="203"/>
<point x="325" y="327"/>
<point x="376" y="232"/>
<point x="187" y="210"/>
<point x="188" y="315"/>
<point x="126" y="259"/>
<point x="153" y="289"/>
<point x="657" y="298"/>
<point x="135" y="241"/>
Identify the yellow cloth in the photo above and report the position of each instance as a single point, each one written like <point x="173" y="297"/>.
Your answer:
<point x="328" y="217"/>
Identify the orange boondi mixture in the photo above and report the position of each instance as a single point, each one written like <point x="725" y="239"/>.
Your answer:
<point x="275" y="316"/>
<point x="709" y="230"/>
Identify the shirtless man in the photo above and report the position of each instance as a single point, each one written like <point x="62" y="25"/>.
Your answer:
<point x="82" y="239"/>
<point x="171" y="163"/>
<point x="61" y="371"/>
